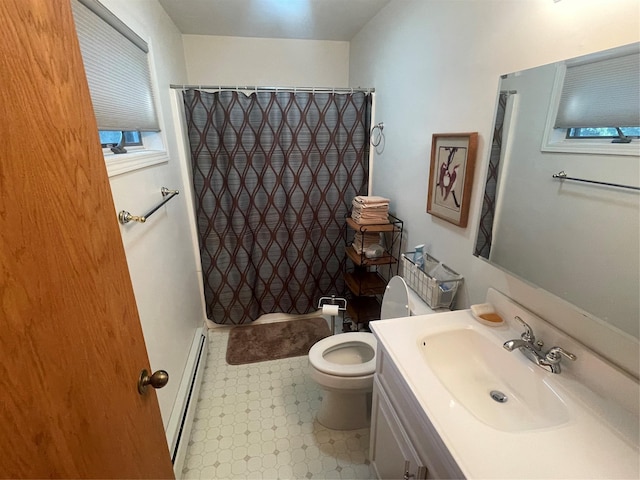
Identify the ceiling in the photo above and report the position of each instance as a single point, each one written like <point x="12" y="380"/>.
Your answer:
<point x="302" y="19"/>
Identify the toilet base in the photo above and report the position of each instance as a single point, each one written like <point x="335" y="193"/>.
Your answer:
<point x="340" y="410"/>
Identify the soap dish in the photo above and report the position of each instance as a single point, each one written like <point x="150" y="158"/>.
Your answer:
<point x="485" y="313"/>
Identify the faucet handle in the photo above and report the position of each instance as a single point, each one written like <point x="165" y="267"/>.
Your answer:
<point x="528" y="335"/>
<point x="555" y="353"/>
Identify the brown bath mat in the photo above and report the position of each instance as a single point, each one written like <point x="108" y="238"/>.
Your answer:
<point x="271" y="341"/>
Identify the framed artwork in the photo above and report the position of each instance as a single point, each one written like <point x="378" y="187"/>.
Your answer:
<point x="453" y="159"/>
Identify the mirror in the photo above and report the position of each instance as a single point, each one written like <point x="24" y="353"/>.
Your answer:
<point x="579" y="241"/>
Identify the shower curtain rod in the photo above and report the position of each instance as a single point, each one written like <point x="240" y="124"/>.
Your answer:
<point x="275" y="89"/>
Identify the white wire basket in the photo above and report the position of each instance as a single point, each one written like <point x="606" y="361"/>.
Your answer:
<point x="435" y="283"/>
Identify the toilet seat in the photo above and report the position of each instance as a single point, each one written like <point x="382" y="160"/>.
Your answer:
<point x="343" y="340"/>
<point x="401" y="301"/>
<point x="344" y="365"/>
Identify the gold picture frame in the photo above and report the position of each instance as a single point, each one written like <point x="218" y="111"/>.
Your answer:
<point x="453" y="161"/>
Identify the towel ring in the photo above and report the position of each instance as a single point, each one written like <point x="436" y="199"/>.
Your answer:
<point x="376" y="139"/>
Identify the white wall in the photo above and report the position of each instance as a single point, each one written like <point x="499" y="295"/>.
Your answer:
<point x="233" y="61"/>
<point x="159" y="253"/>
<point x="435" y="66"/>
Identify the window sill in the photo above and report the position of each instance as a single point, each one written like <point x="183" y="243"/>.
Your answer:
<point x="128" y="162"/>
<point x="592" y="147"/>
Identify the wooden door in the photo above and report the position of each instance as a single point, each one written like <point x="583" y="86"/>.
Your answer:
<point x="71" y="345"/>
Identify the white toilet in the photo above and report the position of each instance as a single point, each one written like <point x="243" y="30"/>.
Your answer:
<point x="344" y="364"/>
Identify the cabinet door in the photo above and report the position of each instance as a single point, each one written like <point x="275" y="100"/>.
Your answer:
<point x="391" y="449"/>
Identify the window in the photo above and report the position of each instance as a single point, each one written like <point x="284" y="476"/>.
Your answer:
<point x="605" y="132"/>
<point x="116" y="62"/>
<point x="597" y="105"/>
<point x="129" y="138"/>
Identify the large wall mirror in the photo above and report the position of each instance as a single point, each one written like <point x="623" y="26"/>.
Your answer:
<point x="580" y="241"/>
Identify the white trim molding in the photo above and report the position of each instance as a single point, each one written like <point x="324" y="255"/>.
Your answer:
<point x="128" y="162"/>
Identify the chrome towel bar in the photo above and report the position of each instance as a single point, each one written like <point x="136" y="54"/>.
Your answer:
<point x="125" y="217"/>
<point x="563" y="176"/>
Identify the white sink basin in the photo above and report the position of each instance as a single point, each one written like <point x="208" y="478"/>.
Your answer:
<point x="491" y="383"/>
<point x="581" y="423"/>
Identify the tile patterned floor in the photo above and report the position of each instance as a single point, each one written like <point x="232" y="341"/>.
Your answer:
<point x="258" y="421"/>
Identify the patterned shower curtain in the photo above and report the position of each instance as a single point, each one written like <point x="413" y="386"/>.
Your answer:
<point x="485" y="232"/>
<point x="274" y="174"/>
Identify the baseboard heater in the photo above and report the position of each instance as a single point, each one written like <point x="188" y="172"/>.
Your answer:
<point x="179" y="428"/>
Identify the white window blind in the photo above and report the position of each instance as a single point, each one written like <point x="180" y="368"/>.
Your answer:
<point x="604" y="93"/>
<point x="117" y="69"/>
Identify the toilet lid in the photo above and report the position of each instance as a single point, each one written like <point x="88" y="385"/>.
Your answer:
<point x="319" y="362"/>
<point x="395" y="302"/>
<point x="401" y="301"/>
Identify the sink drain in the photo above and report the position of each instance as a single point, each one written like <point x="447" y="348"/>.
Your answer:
<point x="498" y="396"/>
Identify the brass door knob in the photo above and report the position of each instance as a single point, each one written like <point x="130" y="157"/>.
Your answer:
<point x="158" y="379"/>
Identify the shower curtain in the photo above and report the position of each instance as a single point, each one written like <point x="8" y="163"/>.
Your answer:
<point x="274" y="174"/>
<point x="485" y="232"/>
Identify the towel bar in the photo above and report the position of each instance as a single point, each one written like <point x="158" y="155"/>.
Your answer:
<point x="125" y="217"/>
<point x="563" y="176"/>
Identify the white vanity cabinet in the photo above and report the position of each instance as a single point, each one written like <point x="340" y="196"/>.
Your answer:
<point x="433" y="408"/>
<point x="404" y="444"/>
<point x="393" y="454"/>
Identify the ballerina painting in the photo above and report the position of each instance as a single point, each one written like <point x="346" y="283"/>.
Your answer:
<point x="450" y="159"/>
<point x="451" y="173"/>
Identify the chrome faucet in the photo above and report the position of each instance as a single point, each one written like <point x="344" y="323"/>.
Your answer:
<point x="531" y="348"/>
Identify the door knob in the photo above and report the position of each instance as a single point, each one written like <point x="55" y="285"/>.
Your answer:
<point x="158" y="379"/>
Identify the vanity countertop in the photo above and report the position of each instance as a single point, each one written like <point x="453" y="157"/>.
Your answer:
<point x="598" y="439"/>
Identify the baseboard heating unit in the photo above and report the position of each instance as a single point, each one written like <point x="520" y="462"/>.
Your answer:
<point x="181" y="420"/>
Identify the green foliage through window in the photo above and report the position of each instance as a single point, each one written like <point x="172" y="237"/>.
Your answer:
<point x="110" y="138"/>
<point x="607" y="132"/>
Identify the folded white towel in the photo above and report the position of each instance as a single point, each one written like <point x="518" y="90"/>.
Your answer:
<point x="369" y="213"/>
<point x="372" y="218"/>
<point x="371" y="221"/>
<point x="378" y="211"/>
<point x="366" y="200"/>
<point x="369" y="208"/>
<point x="362" y="241"/>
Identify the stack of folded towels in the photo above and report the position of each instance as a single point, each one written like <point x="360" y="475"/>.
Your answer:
<point x="362" y="241"/>
<point x="370" y="210"/>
